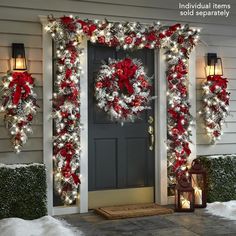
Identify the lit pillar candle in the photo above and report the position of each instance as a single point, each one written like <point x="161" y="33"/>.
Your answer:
<point x="198" y="195"/>
<point x="185" y="204"/>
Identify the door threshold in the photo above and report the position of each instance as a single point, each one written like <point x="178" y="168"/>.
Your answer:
<point x="115" y="197"/>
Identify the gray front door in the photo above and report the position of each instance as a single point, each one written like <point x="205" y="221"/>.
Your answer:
<point x="119" y="156"/>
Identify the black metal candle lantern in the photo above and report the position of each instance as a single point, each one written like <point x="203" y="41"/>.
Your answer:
<point x="184" y="195"/>
<point x="198" y="178"/>
<point x="214" y="64"/>
<point x="18" y="55"/>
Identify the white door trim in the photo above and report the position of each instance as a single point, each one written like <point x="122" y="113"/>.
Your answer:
<point x="47" y="109"/>
<point x="193" y="102"/>
<point x="84" y="131"/>
<point x="161" y="196"/>
<point x="160" y="129"/>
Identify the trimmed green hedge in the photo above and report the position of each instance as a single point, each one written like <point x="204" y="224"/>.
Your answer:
<point x="23" y="191"/>
<point x="221" y="177"/>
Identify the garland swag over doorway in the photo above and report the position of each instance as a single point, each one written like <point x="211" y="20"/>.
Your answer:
<point x="68" y="33"/>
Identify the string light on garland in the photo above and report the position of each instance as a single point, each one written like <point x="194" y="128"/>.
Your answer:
<point x="67" y="32"/>
<point x="215" y="105"/>
<point x="20" y="105"/>
<point x="122" y="89"/>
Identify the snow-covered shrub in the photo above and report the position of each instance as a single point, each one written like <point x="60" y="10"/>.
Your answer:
<point x="23" y="191"/>
<point x="221" y="177"/>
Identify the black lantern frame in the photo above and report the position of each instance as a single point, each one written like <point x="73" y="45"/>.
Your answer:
<point x="18" y="55"/>
<point x="214" y="64"/>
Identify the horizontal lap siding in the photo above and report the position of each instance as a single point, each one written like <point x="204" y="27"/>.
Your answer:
<point x="19" y="23"/>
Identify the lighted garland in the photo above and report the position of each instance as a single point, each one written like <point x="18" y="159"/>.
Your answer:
<point x="66" y="114"/>
<point x="122" y="89"/>
<point x="215" y="105"/>
<point x="179" y="120"/>
<point x="19" y="104"/>
<point x="67" y="32"/>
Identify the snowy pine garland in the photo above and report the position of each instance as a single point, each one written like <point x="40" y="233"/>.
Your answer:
<point x="67" y="33"/>
<point x="20" y="105"/>
<point x="215" y="105"/>
<point x="66" y="115"/>
<point x="179" y="120"/>
<point x="122" y="89"/>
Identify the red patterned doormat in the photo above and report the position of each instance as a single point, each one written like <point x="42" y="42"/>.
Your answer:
<point x="130" y="211"/>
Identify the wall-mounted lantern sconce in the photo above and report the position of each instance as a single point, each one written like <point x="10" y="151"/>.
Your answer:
<point x="18" y="55"/>
<point x="214" y="64"/>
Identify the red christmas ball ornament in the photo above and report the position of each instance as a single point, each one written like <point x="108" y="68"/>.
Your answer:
<point x="92" y="28"/>
<point x="128" y="40"/>
<point x="151" y="36"/>
<point x="175" y="131"/>
<point x="216" y="133"/>
<point x="64" y="114"/>
<point x="117" y="108"/>
<point x="138" y="41"/>
<point x="137" y="103"/>
<point x="101" y="39"/>
<point x="162" y="35"/>
<point x="114" y="42"/>
<point x="180" y="39"/>
<point x="99" y="84"/>
<point x="85" y="28"/>
<point x="30" y="117"/>
<point x="169" y="33"/>
<point x="184" y="50"/>
<point x="119" y="72"/>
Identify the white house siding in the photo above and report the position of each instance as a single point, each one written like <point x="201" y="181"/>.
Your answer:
<point x="19" y="23"/>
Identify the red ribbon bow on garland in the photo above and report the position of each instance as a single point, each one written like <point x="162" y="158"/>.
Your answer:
<point x="21" y="82"/>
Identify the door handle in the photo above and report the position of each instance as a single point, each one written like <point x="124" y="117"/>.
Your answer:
<point x="151" y="133"/>
<point x="151" y="146"/>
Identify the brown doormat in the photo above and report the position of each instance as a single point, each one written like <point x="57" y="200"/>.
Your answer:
<point x="129" y="211"/>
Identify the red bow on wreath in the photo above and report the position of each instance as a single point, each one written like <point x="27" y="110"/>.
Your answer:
<point x="126" y="71"/>
<point x="22" y="89"/>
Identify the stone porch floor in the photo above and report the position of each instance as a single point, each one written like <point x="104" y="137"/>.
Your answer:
<point x="177" y="224"/>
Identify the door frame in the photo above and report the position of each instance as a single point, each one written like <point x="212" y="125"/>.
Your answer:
<point x="160" y="112"/>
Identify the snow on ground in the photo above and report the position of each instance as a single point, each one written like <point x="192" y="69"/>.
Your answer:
<point x="45" y="226"/>
<point x="223" y="209"/>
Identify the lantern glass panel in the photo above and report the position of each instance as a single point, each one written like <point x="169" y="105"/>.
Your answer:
<point x="185" y="200"/>
<point x="19" y="64"/>
<point x="198" y="186"/>
<point x="198" y="178"/>
<point x="218" y="67"/>
<point x="184" y="195"/>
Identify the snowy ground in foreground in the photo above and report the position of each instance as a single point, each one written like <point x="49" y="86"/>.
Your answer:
<point x="45" y="226"/>
<point x="223" y="209"/>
